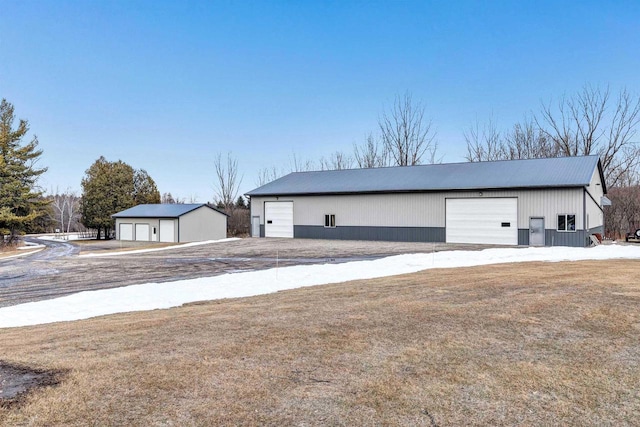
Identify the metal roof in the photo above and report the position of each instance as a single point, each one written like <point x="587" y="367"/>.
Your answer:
<point x="161" y="210"/>
<point x="530" y="173"/>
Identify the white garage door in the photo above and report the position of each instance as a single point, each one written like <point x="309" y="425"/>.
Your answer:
<point x="278" y="219"/>
<point x="486" y="220"/>
<point x="142" y="232"/>
<point x="126" y="231"/>
<point x="166" y="230"/>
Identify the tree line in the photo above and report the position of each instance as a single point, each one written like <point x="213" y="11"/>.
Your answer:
<point x="593" y="121"/>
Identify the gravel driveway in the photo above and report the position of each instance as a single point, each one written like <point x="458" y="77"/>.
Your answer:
<point x="58" y="270"/>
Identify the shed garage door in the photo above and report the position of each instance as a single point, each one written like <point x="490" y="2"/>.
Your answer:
<point x="142" y="232"/>
<point x="167" y="230"/>
<point x="482" y="220"/>
<point x="278" y="219"/>
<point x="126" y="231"/>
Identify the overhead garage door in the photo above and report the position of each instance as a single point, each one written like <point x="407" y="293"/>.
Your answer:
<point x="167" y="230"/>
<point x="126" y="231"/>
<point x="278" y="219"/>
<point x="142" y="232"/>
<point x="482" y="220"/>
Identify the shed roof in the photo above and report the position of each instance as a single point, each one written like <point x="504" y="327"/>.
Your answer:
<point x="161" y="210"/>
<point x="529" y="173"/>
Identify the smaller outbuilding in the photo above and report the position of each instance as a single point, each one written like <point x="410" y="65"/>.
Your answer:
<point x="171" y="223"/>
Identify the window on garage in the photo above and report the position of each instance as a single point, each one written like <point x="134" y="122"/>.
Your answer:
<point x="567" y="222"/>
<point x="330" y="221"/>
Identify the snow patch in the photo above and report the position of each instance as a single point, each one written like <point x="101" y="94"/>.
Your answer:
<point x="63" y="237"/>
<point x="164" y="248"/>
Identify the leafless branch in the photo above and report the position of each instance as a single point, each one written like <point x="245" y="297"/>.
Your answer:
<point x="336" y="161"/>
<point x="227" y="184"/>
<point x="406" y="134"/>
<point x="371" y="154"/>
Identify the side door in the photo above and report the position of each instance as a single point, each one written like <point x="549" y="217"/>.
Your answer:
<point x="536" y="231"/>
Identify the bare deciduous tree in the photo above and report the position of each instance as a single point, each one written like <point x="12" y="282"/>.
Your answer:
<point x="371" y="154"/>
<point x="524" y="141"/>
<point x="527" y="141"/>
<point x="167" y="198"/>
<point x="484" y="143"/>
<point x="406" y="133"/>
<point x="300" y="165"/>
<point x="623" y="215"/>
<point x="65" y="210"/>
<point x="336" y="161"/>
<point x="591" y="122"/>
<point x="227" y="184"/>
<point x="227" y="187"/>
<point x="266" y="175"/>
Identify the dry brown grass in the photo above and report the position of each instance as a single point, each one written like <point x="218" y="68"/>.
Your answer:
<point x="98" y="246"/>
<point x="531" y="344"/>
<point x="14" y="252"/>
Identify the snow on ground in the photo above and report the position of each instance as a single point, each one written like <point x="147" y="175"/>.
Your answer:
<point x="63" y="237"/>
<point x="29" y="246"/>
<point x="140" y="251"/>
<point x="152" y="296"/>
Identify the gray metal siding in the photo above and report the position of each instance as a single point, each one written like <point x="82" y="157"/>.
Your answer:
<point x="393" y="234"/>
<point x="153" y="222"/>
<point x="383" y="216"/>
<point x="202" y="224"/>
<point x="556" y="238"/>
<point x="420" y="209"/>
<point x="560" y="238"/>
<point x="523" y="236"/>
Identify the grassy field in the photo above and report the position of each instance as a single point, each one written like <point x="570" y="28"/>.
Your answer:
<point x="528" y="344"/>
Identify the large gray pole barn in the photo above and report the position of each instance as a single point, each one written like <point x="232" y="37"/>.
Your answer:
<point x="537" y="202"/>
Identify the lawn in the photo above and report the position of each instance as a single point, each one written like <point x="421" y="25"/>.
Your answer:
<point x="527" y="343"/>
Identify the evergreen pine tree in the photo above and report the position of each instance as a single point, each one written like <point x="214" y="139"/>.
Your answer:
<point x="111" y="187"/>
<point x="20" y="200"/>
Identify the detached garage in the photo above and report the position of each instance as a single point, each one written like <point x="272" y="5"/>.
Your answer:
<point x="537" y="202"/>
<point x="171" y="223"/>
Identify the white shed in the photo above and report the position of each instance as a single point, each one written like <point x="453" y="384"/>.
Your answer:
<point x="171" y="223"/>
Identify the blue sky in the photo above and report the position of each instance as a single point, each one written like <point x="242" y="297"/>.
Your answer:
<point x="164" y="86"/>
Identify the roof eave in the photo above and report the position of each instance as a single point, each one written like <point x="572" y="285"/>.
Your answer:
<point x="439" y="190"/>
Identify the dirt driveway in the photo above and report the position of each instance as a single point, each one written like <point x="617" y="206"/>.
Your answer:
<point x="58" y="270"/>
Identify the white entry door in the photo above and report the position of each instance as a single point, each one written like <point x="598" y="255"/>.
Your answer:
<point x="167" y="230"/>
<point x="142" y="232"/>
<point x="482" y="220"/>
<point x="278" y="219"/>
<point x="126" y="231"/>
